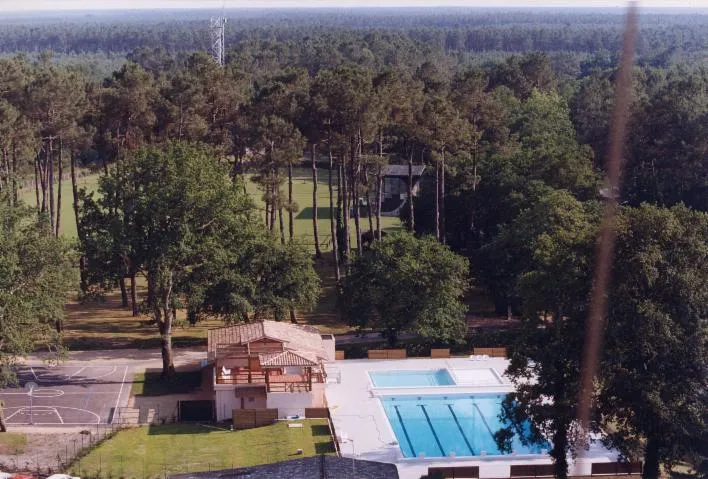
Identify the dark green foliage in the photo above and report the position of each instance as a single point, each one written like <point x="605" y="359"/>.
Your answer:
<point x="550" y="248"/>
<point x="36" y="274"/>
<point x="654" y="389"/>
<point x="175" y="216"/>
<point x="408" y="284"/>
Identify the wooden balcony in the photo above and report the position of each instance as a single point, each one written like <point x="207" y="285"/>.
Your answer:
<point x="275" y="382"/>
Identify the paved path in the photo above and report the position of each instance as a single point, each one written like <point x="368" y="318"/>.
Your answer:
<point x="148" y="358"/>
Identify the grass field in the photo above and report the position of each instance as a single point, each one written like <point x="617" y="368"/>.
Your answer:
<point x="302" y="195"/>
<point x="157" y="451"/>
<point x="67" y="228"/>
<point x="106" y="325"/>
<point x="12" y="443"/>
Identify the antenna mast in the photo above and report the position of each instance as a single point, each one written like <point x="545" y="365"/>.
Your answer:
<point x="217" y="27"/>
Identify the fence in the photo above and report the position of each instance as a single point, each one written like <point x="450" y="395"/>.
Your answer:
<point x="387" y="354"/>
<point x="491" y="352"/>
<point x="606" y="470"/>
<point x="64" y="453"/>
<point x="250" y="418"/>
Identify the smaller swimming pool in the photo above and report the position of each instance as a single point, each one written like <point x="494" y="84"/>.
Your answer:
<point x="407" y="379"/>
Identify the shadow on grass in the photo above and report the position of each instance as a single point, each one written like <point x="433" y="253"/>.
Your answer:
<point x="320" y="430"/>
<point x="151" y="383"/>
<point x="324" y="448"/>
<point x="307" y="212"/>
<point x="184" y="428"/>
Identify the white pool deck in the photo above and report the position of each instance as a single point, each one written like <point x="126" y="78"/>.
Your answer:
<point x="364" y="431"/>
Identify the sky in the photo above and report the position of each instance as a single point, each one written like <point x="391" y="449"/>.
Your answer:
<point x="38" y="5"/>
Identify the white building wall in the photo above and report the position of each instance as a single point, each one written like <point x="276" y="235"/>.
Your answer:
<point x="226" y="402"/>
<point x="328" y="342"/>
<point x="290" y="404"/>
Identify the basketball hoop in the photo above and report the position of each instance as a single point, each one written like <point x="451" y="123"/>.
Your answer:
<point x="30" y="386"/>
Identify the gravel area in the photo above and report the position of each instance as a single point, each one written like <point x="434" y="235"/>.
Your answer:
<point x="46" y="450"/>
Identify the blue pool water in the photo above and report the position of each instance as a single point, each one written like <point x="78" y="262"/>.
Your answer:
<point x="438" y="426"/>
<point x="403" y="379"/>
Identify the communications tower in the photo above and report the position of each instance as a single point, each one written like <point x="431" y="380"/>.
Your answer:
<point x="217" y="27"/>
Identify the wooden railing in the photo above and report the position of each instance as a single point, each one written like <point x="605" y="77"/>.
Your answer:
<point x="274" y="384"/>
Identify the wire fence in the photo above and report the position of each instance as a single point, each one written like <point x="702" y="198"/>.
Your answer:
<point x="112" y="466"/>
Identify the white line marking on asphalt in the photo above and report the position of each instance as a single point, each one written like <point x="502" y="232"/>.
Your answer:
<point x="125" y="373"/>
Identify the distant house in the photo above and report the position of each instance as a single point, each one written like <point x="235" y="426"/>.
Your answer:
<point x="395" y="187"/>
<point x="268" y="364"/>
<point x="318" y="467"/>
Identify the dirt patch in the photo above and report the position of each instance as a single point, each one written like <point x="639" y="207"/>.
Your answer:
<point x="42" y="452"/>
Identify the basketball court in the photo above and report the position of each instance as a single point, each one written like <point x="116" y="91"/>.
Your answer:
<point x="66" y="395"/>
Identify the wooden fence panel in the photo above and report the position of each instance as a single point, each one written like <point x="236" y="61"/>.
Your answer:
<point x="396" y="354"/>
<point x="470" y="472"/>
<point x="440" y="353"/>
<point x="531" y="470"/>
<point x="377" y="354"/>
<point x="316" y="413"/>
<point x="250" y="418"/>
<point x="616" y="468"/>
<point x="491" y="352"/>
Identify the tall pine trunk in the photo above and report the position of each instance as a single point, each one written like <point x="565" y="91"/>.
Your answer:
<point x="379" y="193"/>
<point x="291" y="225"/>
<point x="267" y="206"/>
<point x="369" y="210"/>
<point x="50" y="180"/>
<point x="442" y="198"/>
<point x="315" y="218"/>
<point x="123" y="293"/>
<point x="355" y="193"/>
<point x="274" y="199"/>
<point x="651" y="459"/>
<point x="15" y="185"/>
<point x="133" y="294"/>
<point x="59" y="183"/>
<point x="345" y="206"/>
<point x="437" y="201"/>
<point x="332" y="223"/>
<point x="282" y="225"/>
<point x="36" y="183"/>
<point x="79" y="231"/>
<point x="411" y="206"/>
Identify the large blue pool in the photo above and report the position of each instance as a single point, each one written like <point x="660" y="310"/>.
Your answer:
<point x="406" y="379"/>
<point x="438" y="426"/>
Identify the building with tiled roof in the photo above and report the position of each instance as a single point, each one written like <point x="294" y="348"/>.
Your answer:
<point x="268" y="364"/>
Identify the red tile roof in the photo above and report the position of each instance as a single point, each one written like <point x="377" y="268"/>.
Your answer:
<point x="304" y="340"/>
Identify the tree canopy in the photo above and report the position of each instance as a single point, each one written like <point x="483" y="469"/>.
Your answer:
<point x="192" y="231"/>
<point x="403" y="283"/>
<point x="36" y="274"/>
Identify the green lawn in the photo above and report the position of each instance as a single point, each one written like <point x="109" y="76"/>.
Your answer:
<point x="12" y="443"/>
<point x="150" y="383"/>
<point x="302" y="195"/>
<point x="67" y="226"/>
<point x="157" y="451"/>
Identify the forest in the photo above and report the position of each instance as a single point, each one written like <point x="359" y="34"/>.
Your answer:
<point x="510" y="113"/>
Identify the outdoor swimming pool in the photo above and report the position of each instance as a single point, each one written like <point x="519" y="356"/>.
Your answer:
<point x="440" y="426"/>
<point x="406" y="379"/>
